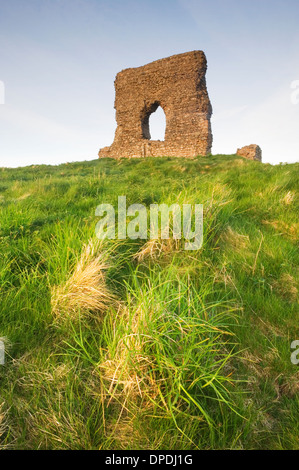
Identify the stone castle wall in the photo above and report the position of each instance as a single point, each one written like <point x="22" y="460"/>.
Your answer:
<point x="251" y="152"/>
<point x="178" y="85"/>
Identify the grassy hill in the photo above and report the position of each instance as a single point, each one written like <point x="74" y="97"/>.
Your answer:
<point x="135" y="344"/>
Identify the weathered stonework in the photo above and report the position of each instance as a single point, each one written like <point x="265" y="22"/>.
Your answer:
<point x="251" y="152"/>
<point x="178" y="85"/>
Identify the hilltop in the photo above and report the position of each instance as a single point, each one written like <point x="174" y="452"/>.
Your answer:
<point x="139" y="344"/>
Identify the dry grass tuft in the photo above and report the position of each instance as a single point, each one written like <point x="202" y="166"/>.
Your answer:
<point x="226" y="277"/>
<point x="256" y="367"/>
<point x="221" y="192"/>
<point x="180" y="168"/>
<point x="3" y="425"/>
<point x="286" y="286"/>
<point x="55" y="424"/>
<point x="239" y="162"/>
<point x="153" y="249"/>
<point x="86" y="289"/>
<point x="290" y="386"/>
<point x="65" y="431"/>
<point x="235" y="240"/>
<point x="283" y="228"/>
<point x="288" y="198"/>
<point x="128" y="381"/>
<point x="24" y="196"/>
<point x="128" y="372"/>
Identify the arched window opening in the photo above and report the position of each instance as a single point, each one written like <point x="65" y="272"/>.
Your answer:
<point x="157" y="125"/>
<point x="153" y="123"/>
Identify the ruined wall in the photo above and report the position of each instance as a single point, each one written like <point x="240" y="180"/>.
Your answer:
<point x="251" y="152"/>
<point x="178" y="85"/>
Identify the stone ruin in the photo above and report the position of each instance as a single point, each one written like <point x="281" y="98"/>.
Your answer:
<point x="178" y="85"/>
<point x="251" y="152"/>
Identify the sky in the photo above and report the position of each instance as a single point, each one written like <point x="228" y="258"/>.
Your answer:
<point x="59" y="58"/>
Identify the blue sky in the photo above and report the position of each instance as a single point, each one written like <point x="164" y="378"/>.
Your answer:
<point x="59" y="58"/>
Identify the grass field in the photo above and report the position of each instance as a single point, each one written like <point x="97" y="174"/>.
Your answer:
<point x="134" y="344"/>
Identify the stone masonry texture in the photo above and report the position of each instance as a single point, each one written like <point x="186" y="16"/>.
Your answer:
<point x="178" y="85"/>
<point x="251" y="152"/>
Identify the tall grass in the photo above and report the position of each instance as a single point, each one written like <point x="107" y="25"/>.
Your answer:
<point x="141" y="344"/>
